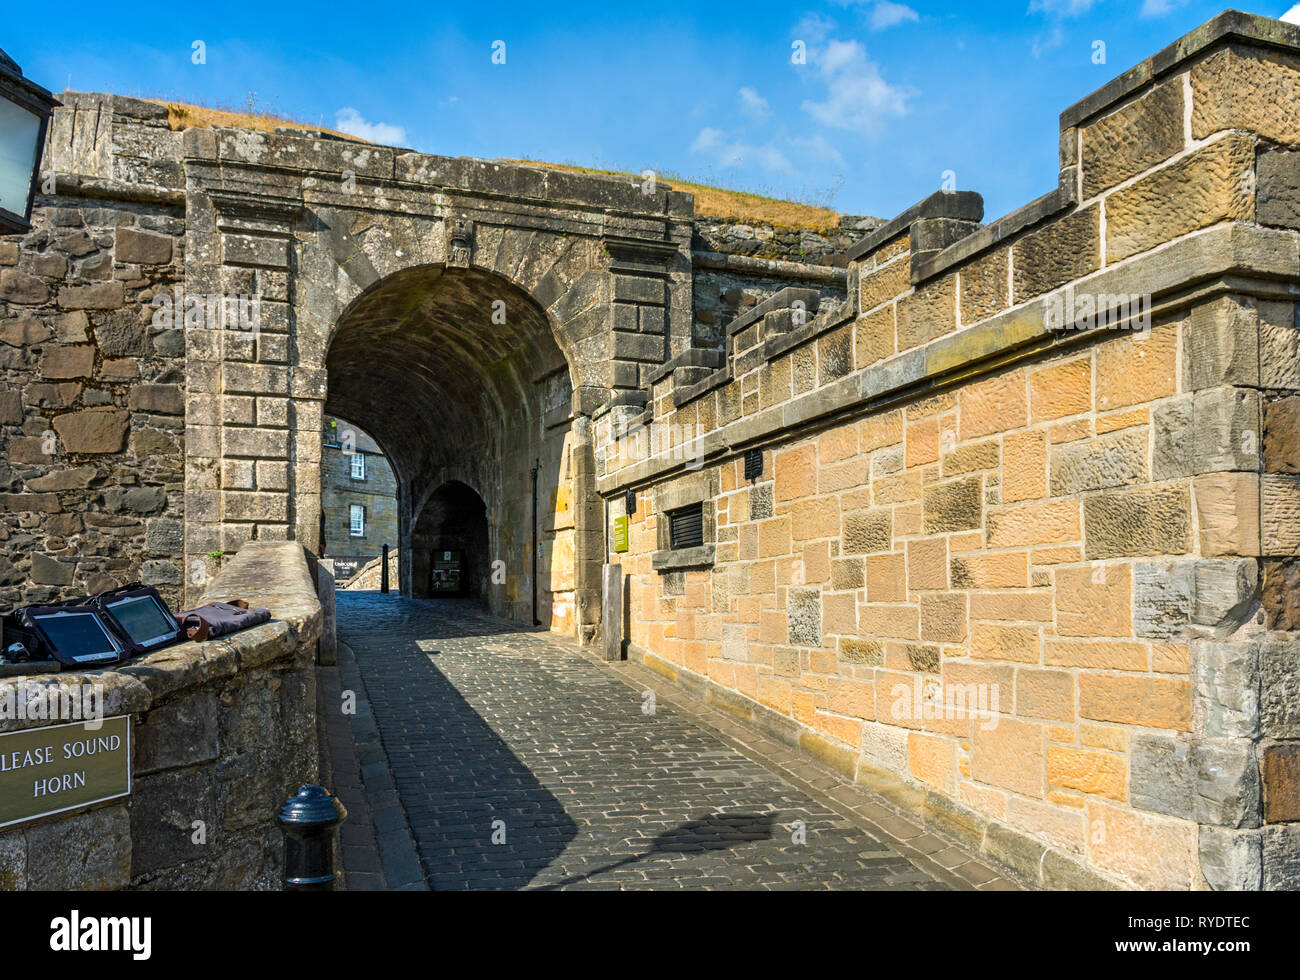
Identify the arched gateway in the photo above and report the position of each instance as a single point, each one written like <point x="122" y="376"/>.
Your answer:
<point x="471" y="316"/>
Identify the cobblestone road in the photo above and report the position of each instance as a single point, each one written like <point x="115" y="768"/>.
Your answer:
<point x="522" y="763"/>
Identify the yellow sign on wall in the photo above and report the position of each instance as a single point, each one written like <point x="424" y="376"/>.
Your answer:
<point x="620" y="534"/>
<point x="63" y="767"/>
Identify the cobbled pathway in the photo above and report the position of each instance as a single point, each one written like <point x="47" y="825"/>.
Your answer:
<point x="521" y="762"/>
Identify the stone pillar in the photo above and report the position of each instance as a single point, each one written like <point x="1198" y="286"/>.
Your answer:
<point x="1237" y="774"/>
<point x="589" y="534"/>
<point x="611" y="622"/>
<point x="327" y="652"/>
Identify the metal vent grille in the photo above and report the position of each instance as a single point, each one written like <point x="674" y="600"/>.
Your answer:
<point x="753" y="464"/>
<point x="686" y="527"/>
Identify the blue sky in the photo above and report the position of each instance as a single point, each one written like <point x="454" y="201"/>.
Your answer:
<point x="889" y="97"/>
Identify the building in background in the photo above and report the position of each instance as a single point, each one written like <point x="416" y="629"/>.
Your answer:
<point x="358" y="498"/>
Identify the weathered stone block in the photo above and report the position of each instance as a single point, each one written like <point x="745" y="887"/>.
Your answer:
<point x="1225" y="592"/>
<point x="164" y="807"/>
<point x="50" y="571"/>
<point x="884" y="284"/>
<point x="159" y="399"/>
<point x="1161" y="775"/>
<point x="1213" y="184"/>
<point x="91" y="850"/>
<point x="1249" y="89"/>
<point x="804" y="616"/>
<point x="1133" y="138"/>
<point x="95" y="430"/>
<point x="984" y="288"/>
<point x="955" y="506"/>
<point x="164" y="534"/>
<point x="1115" y="460"/>
<point x="1227" y="510"/>
<point x="1277" y="198"/>
<point x="1060" y="873"/>
<point x="868" y="531"/>
<point x="1226" y="678"/>
<point x="1282" y="435"/>
<point x="1279" y="687"/>
<point x="99" y="296"/>
<point x="1279" y="514"/>
<point x="1013" y="849"/>
<point x="1280" y="762"/>
<point x="158" y="572"/>
<point x="24" y="331"/>
<point x="1226" y="430"/>
<point x="1151" y="702"/>
<point x="1143" y="521"/>
<point x="1067" y="248"/>
<point x="68" y="362"/>
<point x="135" y="500"/>
<point x="1209" y="782"/>
<point x="70" y="478"/>
<point x="928" y="312"/>
<point x="142" y="247"/>
<point x="1281" y="857"/>
<point x="180" y="733"/>
<point x="1231" y="860"/>
<point x="20" y="288"/>
<point x="1281" y="593"/>
<point x="255" y="506"/>
<point x="1162" y="598"/>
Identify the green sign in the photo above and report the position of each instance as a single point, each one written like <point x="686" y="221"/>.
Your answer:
<point x="620" y="534"/>
<point x="63" y="767"/>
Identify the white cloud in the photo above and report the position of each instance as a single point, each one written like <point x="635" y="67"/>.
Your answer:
<point x="820" y="148"/>
<point x="857" y="95"/>
<point x="1061" y="8"/>
<point x="1159" y="8"/>
<point x="1053" y="40"/>
<point x="349" y="121"/>
<point x="887" y="14"/>
<point x="813" y="28"/>
<point x="753" y="104"/>
<point x="1292" y="16"/>
<point x="729" y="152"/>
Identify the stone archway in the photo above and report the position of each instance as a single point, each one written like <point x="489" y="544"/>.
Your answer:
<point x="450" y="546"/>
<point x="328" y="234"/>
<point x="456" y="372"/>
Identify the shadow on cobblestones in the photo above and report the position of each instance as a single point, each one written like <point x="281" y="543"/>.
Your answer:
<point x="714" y="832"/>
<point x="465" y="792"/>
<point x="522" y="764"/>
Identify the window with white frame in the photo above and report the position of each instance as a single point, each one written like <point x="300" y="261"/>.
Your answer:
<point x="358" y="466"/>
<point x="357" y="522"/>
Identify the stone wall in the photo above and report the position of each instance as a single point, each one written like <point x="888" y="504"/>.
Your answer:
<point x="740" y="264"/>
<point x="222" y="732"/>
<point x="1027" y="574"/>
<point x="371" y="575"/>
<point x="91" y="390"/>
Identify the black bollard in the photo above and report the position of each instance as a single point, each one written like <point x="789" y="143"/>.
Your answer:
<point x="383" y="572"/>
<point x="308" y="822"/>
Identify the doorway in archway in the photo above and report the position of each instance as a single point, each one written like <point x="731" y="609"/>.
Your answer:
<point x="449" y="545"/>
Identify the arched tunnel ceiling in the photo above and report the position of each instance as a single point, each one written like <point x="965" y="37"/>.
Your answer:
<point x="418" y="362"/>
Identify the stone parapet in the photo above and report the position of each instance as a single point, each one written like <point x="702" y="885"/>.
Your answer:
<point x="221" y="733"/>
<point x="1009" y="536"/>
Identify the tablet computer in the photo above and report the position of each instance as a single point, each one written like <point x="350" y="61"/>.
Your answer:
<point x="75" y="637"/>
<point x="140" y="617"/>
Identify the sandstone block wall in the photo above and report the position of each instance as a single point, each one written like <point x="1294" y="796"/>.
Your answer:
<point x="222" y="732"/>
<point x="1027" y="576"/>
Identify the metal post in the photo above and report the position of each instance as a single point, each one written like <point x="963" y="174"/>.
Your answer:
<point x="383" y="573"/>
<point x="309" y="821"/>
